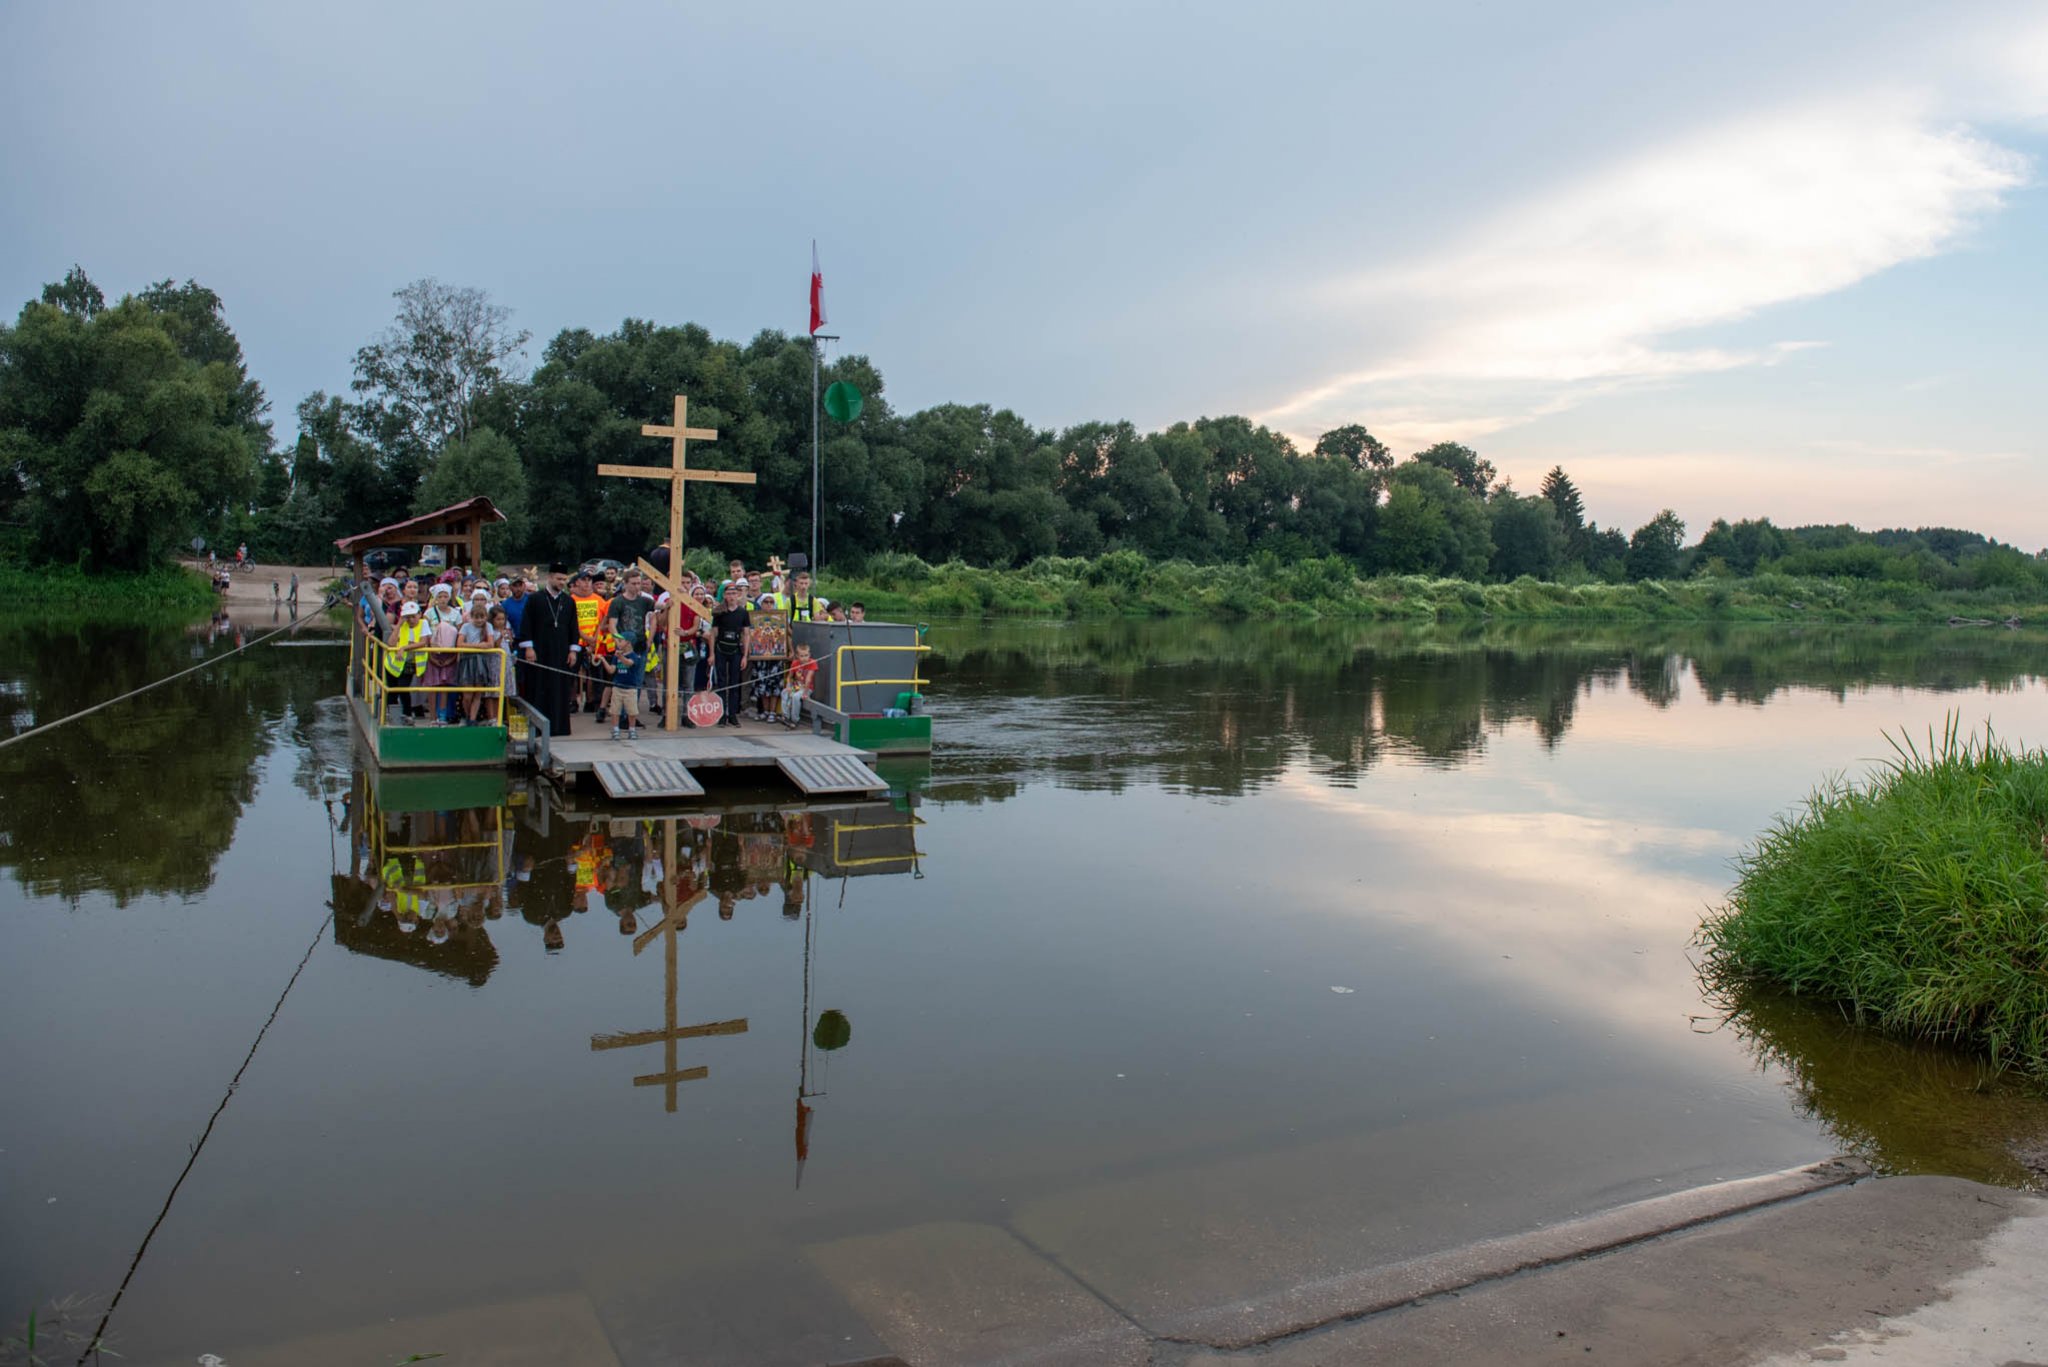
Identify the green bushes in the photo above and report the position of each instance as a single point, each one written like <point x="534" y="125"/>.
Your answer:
<point x="1123" y="583"/>
<point x="169" y="594"/>
<point x="1919" y="901"/>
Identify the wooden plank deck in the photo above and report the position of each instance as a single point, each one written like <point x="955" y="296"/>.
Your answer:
<point x="752" y="743"/>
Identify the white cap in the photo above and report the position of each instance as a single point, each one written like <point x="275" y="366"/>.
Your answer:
<point x="387" y="582"/>
<point x="662" y="601"/>
<point x="409" y="610"/>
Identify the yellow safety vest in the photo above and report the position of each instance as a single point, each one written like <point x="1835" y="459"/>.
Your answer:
<point x="396" y="655"/>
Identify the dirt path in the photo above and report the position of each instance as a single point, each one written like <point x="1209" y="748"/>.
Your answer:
<point x="251" y="587"/>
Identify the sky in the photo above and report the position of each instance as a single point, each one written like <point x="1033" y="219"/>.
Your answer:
<point x="1739" y="259"/>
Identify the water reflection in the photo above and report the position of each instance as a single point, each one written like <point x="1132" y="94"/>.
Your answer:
<point x="1908" y="1108"/>
<point x="439" y="888"/>
<point x="1225" y="709"/>
<point x="144" y="797"/>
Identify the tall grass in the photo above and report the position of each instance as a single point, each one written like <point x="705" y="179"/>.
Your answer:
<point x="1126" y="584"/>
<point x="66" y="593"/>
<point x="1919" y="901"/>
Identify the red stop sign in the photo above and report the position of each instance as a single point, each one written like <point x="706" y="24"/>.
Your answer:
<point x="705" y="709"/>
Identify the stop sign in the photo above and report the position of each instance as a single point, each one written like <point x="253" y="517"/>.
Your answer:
<point x="705" y="709"/>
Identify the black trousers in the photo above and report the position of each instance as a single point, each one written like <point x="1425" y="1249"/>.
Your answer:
<point x="730" y="673"/>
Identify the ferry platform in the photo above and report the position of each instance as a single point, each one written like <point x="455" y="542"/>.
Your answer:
<point x="660" y="763"/>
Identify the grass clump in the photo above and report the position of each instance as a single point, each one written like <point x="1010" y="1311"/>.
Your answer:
<point x="1918" y="901"/>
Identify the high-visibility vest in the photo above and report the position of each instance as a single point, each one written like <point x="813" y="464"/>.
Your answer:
<point x="409" y="633"/>
<point x="589" y="612"/>
<point x="802" y="609"/>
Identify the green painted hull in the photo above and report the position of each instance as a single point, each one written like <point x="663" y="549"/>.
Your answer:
<point x="886" y="735"/>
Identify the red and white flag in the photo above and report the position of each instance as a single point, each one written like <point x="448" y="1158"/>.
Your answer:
<point x="817" y="291"/>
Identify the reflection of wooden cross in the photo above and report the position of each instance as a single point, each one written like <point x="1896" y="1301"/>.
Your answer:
<point x="679" y="473"/>
<point x="676" y="915"/>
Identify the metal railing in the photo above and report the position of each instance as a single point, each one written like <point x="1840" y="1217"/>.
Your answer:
<point x="840" y="683"/>
<point x="413" y="859"/>
<point x="369" y="671"/>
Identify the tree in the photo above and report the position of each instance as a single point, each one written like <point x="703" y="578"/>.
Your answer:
<point x="1526" y="536"/>
<point x="1353" y="443"/>
<point x="422" y="379"/>
<point x="1464" y="465"/>
<point x="120" y="445"/>
<point x="1431" y="526"/>
<point x="76" y="295"/>
<point x="1653" y="550"/>
<point x="483" y="463"/>
<point x="1606" y="552"/>
<point x="1564" y="499"/>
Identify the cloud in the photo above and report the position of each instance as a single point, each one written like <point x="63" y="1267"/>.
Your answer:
<point x="1577" y="292"/>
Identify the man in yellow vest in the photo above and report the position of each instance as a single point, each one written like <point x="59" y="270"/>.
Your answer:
<point x="590" y="606"/>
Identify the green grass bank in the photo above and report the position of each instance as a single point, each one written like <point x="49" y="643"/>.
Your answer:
<point x="1124" y="584"/>
<point x="53" y="592"/>
<point x="1918" y="901"/>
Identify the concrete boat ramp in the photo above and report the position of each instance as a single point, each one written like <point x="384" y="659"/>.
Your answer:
<point x="667" y="764"/>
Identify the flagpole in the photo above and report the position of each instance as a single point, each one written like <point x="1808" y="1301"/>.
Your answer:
<point x="816" y="347"/>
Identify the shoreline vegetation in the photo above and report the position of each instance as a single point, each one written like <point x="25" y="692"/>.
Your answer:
<point x="168" y="593"/>
<point x="1124" y="584"/>
<point x="1917" y="901"/>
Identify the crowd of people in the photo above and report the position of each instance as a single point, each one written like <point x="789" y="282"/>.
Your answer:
<point x="590" y="642"/>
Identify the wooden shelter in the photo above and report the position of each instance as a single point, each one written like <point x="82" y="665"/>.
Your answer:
<point x="459" y="527"/>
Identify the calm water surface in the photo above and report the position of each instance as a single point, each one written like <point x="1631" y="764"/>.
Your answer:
<point x="1199" y="961"/>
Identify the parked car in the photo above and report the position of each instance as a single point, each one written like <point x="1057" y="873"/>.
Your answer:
<point x="433" y="558"/>
<point x="387" y="558"/>
<point x="596" y="568"/>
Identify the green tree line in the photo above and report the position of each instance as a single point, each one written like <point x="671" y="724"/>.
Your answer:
<point x="127" y="429"/>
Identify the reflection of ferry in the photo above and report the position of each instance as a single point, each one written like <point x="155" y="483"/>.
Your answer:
<point x="427" y="875"/>
<point x="425" y="883"/>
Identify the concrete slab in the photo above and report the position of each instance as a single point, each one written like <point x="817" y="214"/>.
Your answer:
<point x="1859" y="1264"/>
<point x="558" y="1330"/>
<point x="949" y="1293"/>
<point x="770" y="1311"/>
<point x="1239" y="1249"/>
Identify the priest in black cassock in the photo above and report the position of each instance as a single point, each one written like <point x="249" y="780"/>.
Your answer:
<point x="549" y="637"/>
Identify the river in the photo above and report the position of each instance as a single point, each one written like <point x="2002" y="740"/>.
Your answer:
<point x="1200" y="962"/>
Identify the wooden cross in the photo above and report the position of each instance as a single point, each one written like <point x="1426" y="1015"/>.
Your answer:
<point x="775" y="566"/>
<point x="676" y="915"/>
<point x="678" y="474"/>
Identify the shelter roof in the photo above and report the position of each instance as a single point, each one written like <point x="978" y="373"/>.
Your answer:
<point x="453" y="520"/>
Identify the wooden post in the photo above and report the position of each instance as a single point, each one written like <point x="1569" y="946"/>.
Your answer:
<point x="678" y="475"/>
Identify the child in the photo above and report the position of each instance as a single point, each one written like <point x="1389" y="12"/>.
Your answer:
<point x="603" y="669"/>
<point x="628" y="664"/>
<point x="501" y="663"/>
<point x="475" y="670"/>
<point x="441" y="669"/>
<point x="797" y="685"/>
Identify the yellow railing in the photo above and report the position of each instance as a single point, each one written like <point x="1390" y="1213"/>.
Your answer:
<point x="842" y="829"/>
<point x="382" y="852"/>
<point x="840" y="683"/>
<point x="378" y="683"/>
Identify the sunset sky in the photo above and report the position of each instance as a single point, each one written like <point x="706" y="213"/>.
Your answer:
<point x="1743" y="259"/>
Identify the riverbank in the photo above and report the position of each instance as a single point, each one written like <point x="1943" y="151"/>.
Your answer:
<point x="1914" y="900"/>
<point x="1122" y="584"/>
<point x="171" y="593"/>
<point x="1817" y="1264"/>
